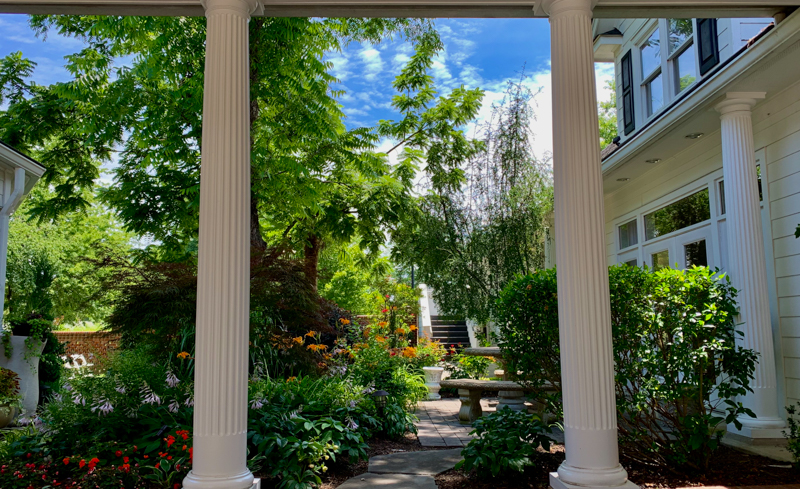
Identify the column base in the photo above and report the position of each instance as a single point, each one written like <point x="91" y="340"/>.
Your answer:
<point x="557" y="483"/>
<point x="756" y="436"/>
<point x="244" y="480"/>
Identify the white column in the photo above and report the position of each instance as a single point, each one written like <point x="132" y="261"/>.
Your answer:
<point x="746" y="259"/>
<point x="10" y="204"/>
<point x="584" y="311"/>
<point x="223" y="281"/>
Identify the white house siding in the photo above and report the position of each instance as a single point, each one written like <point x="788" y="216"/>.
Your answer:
<point x="776" y="126"/>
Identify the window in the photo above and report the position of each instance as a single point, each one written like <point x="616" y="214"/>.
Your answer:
<point x="722" y="206"/>
<point x="678" y="215"/>
<point x="696" y="254"/>
<point x="632" y="263"/>
<point x="681" y="53"/>
<point x="660" y="260"/>
<point x="651" y="73"/>
<point x="628" y="234"/>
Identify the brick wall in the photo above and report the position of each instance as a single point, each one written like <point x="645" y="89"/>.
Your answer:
<point x="90" y="344"/>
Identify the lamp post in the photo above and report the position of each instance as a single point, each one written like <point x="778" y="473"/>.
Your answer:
<point x="380" y="398"/>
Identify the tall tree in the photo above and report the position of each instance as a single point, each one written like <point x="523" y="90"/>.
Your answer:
<point x="474" y="235"/>
<point x="607" y="116"/>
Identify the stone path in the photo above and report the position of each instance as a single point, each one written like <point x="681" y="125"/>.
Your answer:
<point x="438" y="424"/>
<point x="407" y="470"/>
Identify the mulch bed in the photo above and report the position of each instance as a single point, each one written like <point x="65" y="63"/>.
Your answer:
<point x="728" y="467"/>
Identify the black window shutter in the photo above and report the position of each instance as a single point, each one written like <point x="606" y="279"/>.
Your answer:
<point x="708" y="48"/>
<point x="627" y="94"/>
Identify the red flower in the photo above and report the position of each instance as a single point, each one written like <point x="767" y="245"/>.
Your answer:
<point x="176" y="486"/>
<point x="125" y="468"/>
<point x="158" y="465"/>
<point x="118" y="453"/>
<point x="385" y="311"/>
<point x="125" y="460"/>
<point x="162" y="454"/>
<point x="170" y="440"/>
<point x="82" y="463"/>
<point x="147" y="456"/>
<point x="29" y="455"/>
<point x="183" y="434"/>
<point x="66" y="460"/>
<point x="184" y="448"/>
<point x="191" y="453"/>
<point x="93" y="462"/>
<point x="169" y="457"/>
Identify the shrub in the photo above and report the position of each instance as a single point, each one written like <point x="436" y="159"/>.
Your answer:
<point x="678" y="369"/>
<point x="505" y="440"/>
<point x="9" y="388"/>
<point x="793" y="435"/>
<point x="460" y="366"/>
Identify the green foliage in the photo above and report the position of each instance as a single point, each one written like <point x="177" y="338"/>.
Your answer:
<point x="130" y="404"/>
<point x="505" y="441"/>
<point x="481" y="225"/>
<point x="9" y="388"/>
<point x="607" y="115"/>
<point x="460" y="366"/>
<point x="396" y="421"/>
<point x="49" y="268"/>
<point x="793" y="435"/>
<point x="678" y="369"/>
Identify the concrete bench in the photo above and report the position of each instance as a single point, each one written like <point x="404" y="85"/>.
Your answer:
<point x="470" y="390"/>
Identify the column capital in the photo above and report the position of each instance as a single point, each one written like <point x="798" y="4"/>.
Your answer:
<point x="244" y="7"/>
<point x="557" y="7"/>
<point x="739" y="101"/>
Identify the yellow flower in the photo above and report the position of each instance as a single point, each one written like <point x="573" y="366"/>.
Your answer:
<point x="344" y="321"/>
<point x="413" y="328"/>
<point x="400" y="331"/>
<point x="311" y="334"/>
<point x="182" y="355"/>
<point x="383" y="324"/>
<point x="291" y="379"/>
<point x="298" y="340"/>
<point x="410" y="352"/>
<point x="380" y="339"/>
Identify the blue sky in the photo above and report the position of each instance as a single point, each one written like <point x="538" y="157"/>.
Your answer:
<point x="481" y="53"/>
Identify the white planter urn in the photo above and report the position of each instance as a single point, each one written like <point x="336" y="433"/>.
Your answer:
<point x="25" y="362"/>
<point x="432" y="377"/>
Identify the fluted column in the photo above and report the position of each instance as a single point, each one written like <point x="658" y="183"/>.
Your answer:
<point x="223" y="276"/>
<point x="584" y="311"/>
<point x="746" y="259"/>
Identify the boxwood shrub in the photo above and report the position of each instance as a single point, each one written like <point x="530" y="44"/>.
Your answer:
<point x="678" y="368"/>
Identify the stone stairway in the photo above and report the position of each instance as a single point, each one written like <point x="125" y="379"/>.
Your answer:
<point x="448" y="330"/>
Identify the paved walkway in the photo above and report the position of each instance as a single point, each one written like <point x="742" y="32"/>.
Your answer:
<point x="438" y="424"/>
<point x="409" y="470"/>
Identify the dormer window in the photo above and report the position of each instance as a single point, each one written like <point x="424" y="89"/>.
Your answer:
<point x="682" y="58"/>
<point x="652" y="84"/>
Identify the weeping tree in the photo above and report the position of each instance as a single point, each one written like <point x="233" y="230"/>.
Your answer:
<point x="472" y="236"/>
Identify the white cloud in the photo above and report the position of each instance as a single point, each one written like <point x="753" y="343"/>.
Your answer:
<point x="340" y="66"/>
<point x="373" y="64"/>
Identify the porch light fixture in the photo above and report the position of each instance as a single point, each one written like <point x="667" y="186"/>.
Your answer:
<point x="380" y="398"/>
<point x="695" y="135"/>
<point x="653" y="161"/>
<point x="623" y="179"/>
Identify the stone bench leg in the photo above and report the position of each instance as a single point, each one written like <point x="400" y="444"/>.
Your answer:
<point x="470" y="405"/>
<point x="514" y="400"/>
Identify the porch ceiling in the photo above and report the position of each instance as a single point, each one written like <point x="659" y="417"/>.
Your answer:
<point x="409" y="8"/>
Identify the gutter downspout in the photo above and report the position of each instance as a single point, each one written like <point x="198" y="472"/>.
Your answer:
<point x="9" y="206"/>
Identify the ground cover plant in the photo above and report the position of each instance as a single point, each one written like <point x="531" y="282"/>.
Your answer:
<point x="678" y="368"/>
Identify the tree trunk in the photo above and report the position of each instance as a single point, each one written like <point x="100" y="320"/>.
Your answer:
<point x="256" y="239"/>
<point x="311" y="260"/>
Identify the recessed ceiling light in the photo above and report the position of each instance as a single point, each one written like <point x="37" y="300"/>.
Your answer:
<point x="695" y="135"/>
<point x="623" y="179"/>
<point x="653" y="161"/>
